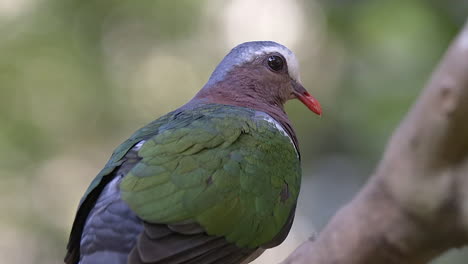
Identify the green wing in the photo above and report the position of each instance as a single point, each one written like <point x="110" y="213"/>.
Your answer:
<point x="235" y="175"/>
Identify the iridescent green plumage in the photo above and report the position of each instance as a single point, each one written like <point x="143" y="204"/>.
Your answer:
<point x="235" y="174"/>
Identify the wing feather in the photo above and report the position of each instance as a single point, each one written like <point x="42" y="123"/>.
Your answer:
<point x="226" y="170"/>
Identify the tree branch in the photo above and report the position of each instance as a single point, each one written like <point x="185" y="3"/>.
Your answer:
<point x="415" y="206"/>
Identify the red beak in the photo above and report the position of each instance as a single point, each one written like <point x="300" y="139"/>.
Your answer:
<point x="301" y="93"/>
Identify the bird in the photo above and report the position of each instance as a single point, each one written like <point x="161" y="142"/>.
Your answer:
<point x="214" y="181"/>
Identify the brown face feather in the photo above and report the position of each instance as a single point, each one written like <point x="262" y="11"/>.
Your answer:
<point x="252" y="85"/>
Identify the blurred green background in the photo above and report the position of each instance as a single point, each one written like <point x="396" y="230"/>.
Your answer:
<point x="78" y="77"/>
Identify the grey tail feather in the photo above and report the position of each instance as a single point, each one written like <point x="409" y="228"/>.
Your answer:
<point x="158" y="244"/>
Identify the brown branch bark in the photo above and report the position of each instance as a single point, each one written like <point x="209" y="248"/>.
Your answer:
<point x="415" y="206"/>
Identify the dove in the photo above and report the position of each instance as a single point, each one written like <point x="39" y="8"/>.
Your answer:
<point x="214" y="181"/>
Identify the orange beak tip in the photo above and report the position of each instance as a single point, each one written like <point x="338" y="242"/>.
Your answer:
<point x="308" y="100"/>
<point x="311" y="103"/>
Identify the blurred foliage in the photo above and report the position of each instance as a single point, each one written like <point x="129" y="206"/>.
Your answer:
<point x="77" y="77"/>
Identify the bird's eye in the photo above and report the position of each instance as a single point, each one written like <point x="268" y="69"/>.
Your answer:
<point x="275" y="63"/>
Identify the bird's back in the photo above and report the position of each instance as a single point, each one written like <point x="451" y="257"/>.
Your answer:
<point x="116" y="226"/>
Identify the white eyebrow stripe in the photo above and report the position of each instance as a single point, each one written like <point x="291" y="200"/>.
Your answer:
<point x="248" y="52"/>
<point x="291" y="60"/>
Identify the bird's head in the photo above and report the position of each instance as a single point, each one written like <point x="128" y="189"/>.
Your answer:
<point x="258" y="72"/>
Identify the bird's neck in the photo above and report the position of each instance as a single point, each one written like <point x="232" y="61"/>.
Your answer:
<point x="244" y="96"/>
<point x="222" y="93"/>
